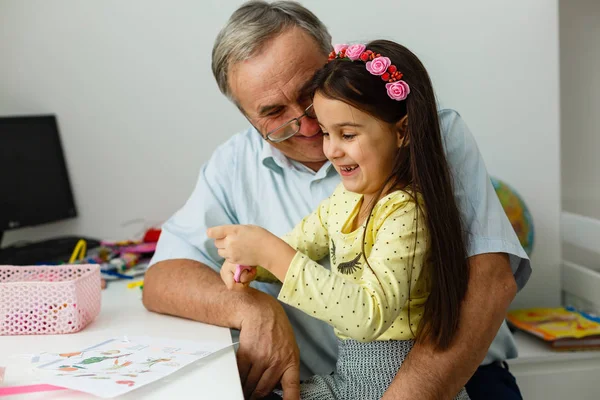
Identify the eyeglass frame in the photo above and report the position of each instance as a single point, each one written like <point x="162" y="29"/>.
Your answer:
<point x="297" y="120"/>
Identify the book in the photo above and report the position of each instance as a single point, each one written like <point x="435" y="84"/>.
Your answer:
<point x="562" y="328"/>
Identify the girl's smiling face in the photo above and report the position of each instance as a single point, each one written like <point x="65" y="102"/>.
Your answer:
<point x="361" y="147"/>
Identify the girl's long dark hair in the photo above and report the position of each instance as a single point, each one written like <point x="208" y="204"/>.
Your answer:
<point x="420" y="167"/>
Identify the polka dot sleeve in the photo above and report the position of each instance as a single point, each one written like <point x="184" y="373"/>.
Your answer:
<point x="310" y="236"/>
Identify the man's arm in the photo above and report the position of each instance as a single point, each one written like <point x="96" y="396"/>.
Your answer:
<point x="182" y="280"/>
<point x="430" y="374"/>
<point x="190" y="289"/>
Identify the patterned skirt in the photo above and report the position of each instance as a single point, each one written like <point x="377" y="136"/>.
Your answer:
<point x="364" y="371"/>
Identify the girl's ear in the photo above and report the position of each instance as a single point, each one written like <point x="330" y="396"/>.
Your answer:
<point x="402" y="132"/>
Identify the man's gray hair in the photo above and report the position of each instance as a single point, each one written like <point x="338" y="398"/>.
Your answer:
<point x="254" y="24"/>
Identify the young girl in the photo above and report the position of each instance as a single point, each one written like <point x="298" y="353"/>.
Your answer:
<point x="391" y="229"/>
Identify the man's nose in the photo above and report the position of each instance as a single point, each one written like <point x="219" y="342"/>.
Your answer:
<point x="308" y="127"/>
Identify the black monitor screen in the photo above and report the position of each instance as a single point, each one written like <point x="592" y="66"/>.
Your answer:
<point x="34" y="183"/>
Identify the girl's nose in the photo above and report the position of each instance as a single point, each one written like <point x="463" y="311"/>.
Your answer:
<point x="332" y="149"/>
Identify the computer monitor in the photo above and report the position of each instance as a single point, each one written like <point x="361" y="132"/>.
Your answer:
<point x="34" y="181"/>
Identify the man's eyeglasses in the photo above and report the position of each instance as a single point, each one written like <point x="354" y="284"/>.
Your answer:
<point x="290" y="128"/>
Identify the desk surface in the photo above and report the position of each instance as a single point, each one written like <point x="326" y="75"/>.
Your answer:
<point x="122" y="313"/>
<point x="214" y="377"/>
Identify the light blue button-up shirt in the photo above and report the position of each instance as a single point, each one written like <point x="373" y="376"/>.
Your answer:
<point x="247" y="181"/>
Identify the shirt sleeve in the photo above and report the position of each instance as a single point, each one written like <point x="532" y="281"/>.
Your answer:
<point x="488" y="229"/>
<point x="366" y="308"/>
<point x="184" y="234"/>
<point x="310" y="236"/>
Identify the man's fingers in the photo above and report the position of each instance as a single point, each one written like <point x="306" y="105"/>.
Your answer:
<point x="229" y="282"/>
<point x="256" y="372"/>
<point x="220" y="232"/>
<point x="267" y="382"/>
<point x="224" y="275"/>
<point x="247" y="276"/>
<point x="290" y="382"/>
<point x="244" y="363"/>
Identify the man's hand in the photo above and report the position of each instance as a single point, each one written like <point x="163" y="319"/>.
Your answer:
<point x="228" y="271"/>
<point x="268" y="353"/>
<point x="430" y="374"/>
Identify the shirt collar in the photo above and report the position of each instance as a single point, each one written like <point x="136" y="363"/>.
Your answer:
<point x="273" y="158"/>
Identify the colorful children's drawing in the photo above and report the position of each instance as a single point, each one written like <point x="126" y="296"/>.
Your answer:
<point x="128" y="362"/>
<point x="70" y="368"/>
<point x="170" y="350"/>
<point x="94" y="360"/>
<point x="150" y="362"/>
<point x="69" y="355"/>
<point x="137" y="347"/>
<point x="116" y="365"/>
<point x="171" y="364"/>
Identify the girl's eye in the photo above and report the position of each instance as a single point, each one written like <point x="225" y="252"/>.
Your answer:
<point x="325" y="134"/>
<point x="348" y="136"/>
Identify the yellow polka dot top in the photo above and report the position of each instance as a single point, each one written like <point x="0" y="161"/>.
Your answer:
<point x="362" y="301"/>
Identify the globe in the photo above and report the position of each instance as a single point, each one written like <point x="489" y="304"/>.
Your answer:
<point x="517" y="212"/>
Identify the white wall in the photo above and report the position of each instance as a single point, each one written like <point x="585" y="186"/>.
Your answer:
<point x="580" y="106"/>
<point x="139" y="111"/>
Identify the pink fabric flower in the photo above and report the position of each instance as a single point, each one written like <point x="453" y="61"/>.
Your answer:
<point x="379" y="65"/>
<point x="397" y="90"/>
<point x="339" y="47"/>
<point x="353" y="52"/>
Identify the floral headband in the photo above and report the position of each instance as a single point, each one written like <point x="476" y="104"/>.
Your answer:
<point x="377" y="65"/>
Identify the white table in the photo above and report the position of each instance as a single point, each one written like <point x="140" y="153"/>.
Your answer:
<point x="122" y="313"/>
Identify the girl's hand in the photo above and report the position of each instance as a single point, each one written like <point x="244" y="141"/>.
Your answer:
<point x="252" y="245"/>
<point x="228" y="271"/>
<point x="241" y="244"/>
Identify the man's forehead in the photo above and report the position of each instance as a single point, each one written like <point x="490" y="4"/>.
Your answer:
<point x="277" y="75"/>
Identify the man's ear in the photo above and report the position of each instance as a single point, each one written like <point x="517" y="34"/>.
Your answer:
<point x="402" y="132"/>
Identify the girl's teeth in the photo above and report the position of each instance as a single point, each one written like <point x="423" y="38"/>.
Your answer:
<point x="348" y="169"/>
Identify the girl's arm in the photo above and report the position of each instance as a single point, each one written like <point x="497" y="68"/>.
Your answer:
<point x="252" y="245"/>
<point x="309" y="237"/>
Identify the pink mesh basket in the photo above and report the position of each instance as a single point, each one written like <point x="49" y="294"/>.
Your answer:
<point x="48" y="300"/>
